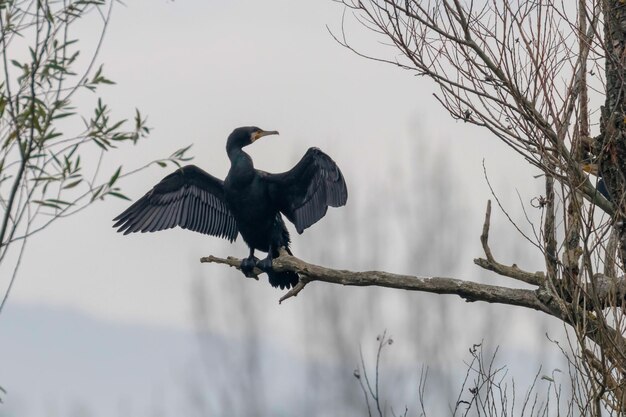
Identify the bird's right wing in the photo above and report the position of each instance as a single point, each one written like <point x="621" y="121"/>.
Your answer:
<point x="189" y="198"/>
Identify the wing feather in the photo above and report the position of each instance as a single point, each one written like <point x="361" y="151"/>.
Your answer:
<point x="161" y="225"/>
<point x="189" y="198"/>
<point x="143" y="218"/>
<point x="304" y="193"/>
<point x="172" y="221"/>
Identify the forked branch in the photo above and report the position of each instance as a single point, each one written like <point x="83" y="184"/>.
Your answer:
<point x="513" y="271"/>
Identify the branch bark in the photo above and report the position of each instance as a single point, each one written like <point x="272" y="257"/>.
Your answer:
<point x="468" y="290"/>
<point x="613" y="119"/>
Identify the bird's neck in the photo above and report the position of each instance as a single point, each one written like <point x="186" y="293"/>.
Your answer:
<point x="240" y="163"/>
<point x="237" y="155"/>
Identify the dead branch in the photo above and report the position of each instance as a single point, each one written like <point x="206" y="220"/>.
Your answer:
<point x="232" y="262"/>
<point x="470" y="291"/>
<point x="610" y="291"/>
<point x="549" y="231"/>
<point x="513" y="271"/>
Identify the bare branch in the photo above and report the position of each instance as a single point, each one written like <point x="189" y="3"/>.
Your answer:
<point x="469" y="291"/>
<point x="491" y="264"/>
<point x="232" y="262"/>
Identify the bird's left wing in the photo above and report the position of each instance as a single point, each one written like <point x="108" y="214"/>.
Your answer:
<point x="304" y="193"/>
<point x="190" y="198"/>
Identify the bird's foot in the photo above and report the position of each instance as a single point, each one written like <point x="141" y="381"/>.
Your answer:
<point x="247" y="266"/>
<point x="265" y="264"/>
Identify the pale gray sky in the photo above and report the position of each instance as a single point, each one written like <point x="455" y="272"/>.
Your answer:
<point x="199" y="69"/>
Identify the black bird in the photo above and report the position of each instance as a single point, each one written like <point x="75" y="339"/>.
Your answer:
<point x="592" y="168"/>
<point x="248" y="202"/>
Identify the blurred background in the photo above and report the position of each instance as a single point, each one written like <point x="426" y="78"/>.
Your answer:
<point x="100" y="324"/>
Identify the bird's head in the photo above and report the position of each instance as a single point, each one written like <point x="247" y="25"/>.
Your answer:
<point x="244" y="136"/>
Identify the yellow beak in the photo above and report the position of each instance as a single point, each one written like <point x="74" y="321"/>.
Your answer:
<point x="259" y="134"/>
<point x="590" y="168"/>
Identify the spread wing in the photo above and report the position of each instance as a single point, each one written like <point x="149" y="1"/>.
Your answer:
<point x="189" y="198"/>
<point x="304" y="193"/>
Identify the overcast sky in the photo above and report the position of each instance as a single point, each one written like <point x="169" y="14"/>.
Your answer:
<point x="200" y="69"/>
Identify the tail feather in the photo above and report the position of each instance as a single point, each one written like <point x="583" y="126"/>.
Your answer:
<point x="286" y="279"/>
<point x="283" y="280"/>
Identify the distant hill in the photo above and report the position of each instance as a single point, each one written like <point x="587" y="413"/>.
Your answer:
<point x="56" y="362"/>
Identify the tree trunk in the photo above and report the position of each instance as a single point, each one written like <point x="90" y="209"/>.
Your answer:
<point x="612" y="141"/>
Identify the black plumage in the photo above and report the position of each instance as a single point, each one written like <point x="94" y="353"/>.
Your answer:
<point x="248" y="202"/>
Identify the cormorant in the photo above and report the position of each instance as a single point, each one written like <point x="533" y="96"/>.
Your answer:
<point x="248" y="202"/>
<point x="592" y="168"/>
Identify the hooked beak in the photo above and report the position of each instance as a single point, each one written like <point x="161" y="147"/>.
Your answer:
<point x="259" y="134"/>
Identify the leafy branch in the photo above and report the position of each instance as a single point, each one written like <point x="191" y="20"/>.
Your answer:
<point x="52" y="153"/>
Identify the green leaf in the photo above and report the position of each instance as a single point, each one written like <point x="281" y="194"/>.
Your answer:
<point x="56" y="161"/>
<point x="10" y="138"/>
<point x="181" y="152"/>
<point x="98" y="72"/>
<point x="100" y="144"/>
<point x="47" y="204"/>
<point x="119" y="195"/>
<point x="62" y="115"/>
<point x="72" y="184"/>
<point x="115" y="176"/>
<point x="96" y="193"/>
<point x="69" y="155"/>
<point x="98" y="78"/>
<point x="46" y="178"/>
<point x="65" y="45"/>
<point x="61" y="202"/>
<point x="115" y="126"/>
<point x="49" y="16"/>
<point x="52" y="135"/>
